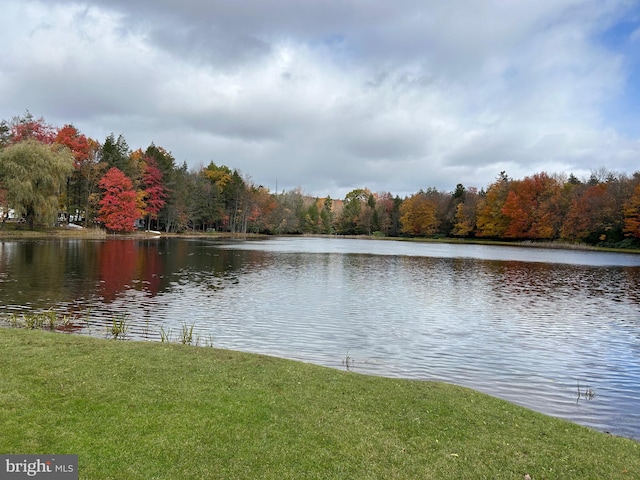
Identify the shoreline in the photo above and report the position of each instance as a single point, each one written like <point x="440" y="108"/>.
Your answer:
<point x="98" y="233"/>
<point x="166" y="411"/>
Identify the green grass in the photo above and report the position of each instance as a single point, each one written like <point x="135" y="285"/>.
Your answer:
<point x="22" y="231"/>
<point x="139" y="410"/>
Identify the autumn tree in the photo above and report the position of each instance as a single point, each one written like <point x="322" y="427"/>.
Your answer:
<point x="153" y="190"/>
<point x="491" y="221"/>
<point x="464" y="220"/>
<point x="632" y="214"/>
<point x="589" y="215"/>
<point x="28" y="128"/>
<point x="260" y="205"/>
<point x="34" y="175"/>
<point x="419" y="215"/>
<point x="621" y="189"/>
<point x="84" y="184"/>
<point x="136" y="163"/>
<point x="369" y="219"/>
<point x="220" y="178"/>
<point x="532" y="207"/>
<point x="596" y="213"/>
<point x="220" y="199"/>
<point x="457" y="197"/>
<point x="170" y="183"/>
<point x="444" y="209"/>
<point x="354" y="219"/>
<point x="288" y="216"/>
<point x="119" y="208"/>
<point x="82" y="149"/>
<point x="70" y="137"/>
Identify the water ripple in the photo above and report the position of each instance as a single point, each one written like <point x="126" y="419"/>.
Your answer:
<point x="532" y="326"/>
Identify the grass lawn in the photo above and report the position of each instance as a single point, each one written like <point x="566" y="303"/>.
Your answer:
<point x="138" y="410"/>
<point x="13" y="230"/>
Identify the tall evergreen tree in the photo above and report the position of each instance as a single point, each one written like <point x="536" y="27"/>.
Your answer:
<point x="116" y="153"/>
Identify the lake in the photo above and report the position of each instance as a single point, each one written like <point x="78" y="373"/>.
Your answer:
<point x="555" y="330"/>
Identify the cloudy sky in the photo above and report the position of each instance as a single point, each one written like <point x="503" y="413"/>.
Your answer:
<point x="332" y="95"/>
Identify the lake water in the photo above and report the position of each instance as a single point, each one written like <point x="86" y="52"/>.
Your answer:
<point x="528" y="325"/>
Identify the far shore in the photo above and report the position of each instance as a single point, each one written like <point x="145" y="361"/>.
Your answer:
<point x="20" y="231"/>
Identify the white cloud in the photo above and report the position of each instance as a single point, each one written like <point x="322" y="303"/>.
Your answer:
<point x="330" y="97"/>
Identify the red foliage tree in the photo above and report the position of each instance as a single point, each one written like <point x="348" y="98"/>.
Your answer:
<point x="26" y="128"/>
<point x="261" y="204"/>
<point x="154" y="192"/>
<point x="118" y="206"/>
<point x="70" y="137"/>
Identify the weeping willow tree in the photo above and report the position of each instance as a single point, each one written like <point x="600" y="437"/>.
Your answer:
<point x="33" y="175"/>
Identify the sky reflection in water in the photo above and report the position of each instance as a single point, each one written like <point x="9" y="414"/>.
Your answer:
<point x="525" y="324"/>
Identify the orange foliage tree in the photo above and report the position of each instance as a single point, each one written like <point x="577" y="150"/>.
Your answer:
<point x="491" y="221"/>
<point x="70" y="137"/>
<point x="592" y="214"/>
<point x="533" y="208"/>
<point x="632" y="214"/>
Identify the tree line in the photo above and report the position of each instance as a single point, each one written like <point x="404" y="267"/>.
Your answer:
<point x="50" y="174"/>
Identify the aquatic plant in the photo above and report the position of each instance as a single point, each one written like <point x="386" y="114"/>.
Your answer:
<point x="49" y="318"/>
<point x="165" y="337"/>
<point x="14" y="320"/>
<point x="66" y="320"/>
<point x="587" y="394"/>
<point x="187" y="334"/>
<point x="348" y="361"/>
<point x="119" y="327"/>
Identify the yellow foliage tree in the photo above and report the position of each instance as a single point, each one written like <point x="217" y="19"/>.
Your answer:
<point x="418" y="215"/>
<point x="491" y="221"/>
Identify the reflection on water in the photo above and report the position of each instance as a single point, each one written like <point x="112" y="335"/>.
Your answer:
<point x="527" y="325"/>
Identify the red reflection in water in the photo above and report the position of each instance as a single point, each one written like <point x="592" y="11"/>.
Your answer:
<point x="151" y="268"/>
<point x="117" y="264"/>
<point x="70" y="327"/>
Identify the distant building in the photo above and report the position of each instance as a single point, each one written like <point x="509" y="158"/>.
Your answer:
<point x="12" y="214"/>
